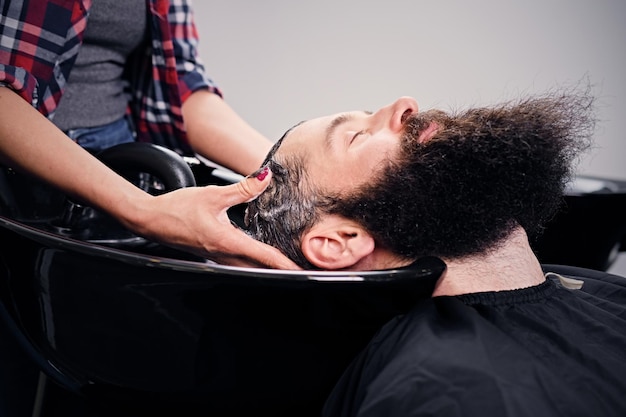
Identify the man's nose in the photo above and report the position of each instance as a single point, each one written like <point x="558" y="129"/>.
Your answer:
<point x="393" y="115"/>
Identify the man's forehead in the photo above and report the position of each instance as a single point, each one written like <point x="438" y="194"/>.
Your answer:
<point x="279" y="142"/>
<point x="333" y="120"/>
<point x="329" y="123"/>
<point x="291" y="129"/>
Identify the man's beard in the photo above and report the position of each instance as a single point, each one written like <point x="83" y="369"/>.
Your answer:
<point x="486" y="172"/>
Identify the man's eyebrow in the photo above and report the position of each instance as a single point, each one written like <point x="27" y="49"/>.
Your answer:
<point x="334" y="124"/>
<point x="338" y="121"/>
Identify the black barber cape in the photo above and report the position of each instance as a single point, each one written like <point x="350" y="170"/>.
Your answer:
<point x="540" y="351"/>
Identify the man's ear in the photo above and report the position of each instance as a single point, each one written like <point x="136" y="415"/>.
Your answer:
<point x="336" y="243"/>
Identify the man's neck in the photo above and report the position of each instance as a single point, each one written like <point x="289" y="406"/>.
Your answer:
<point x="512" y="265"/>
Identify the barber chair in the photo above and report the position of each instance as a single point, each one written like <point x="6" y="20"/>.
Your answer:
<point x="133" y="328"/>
<point x="589" y="231"/>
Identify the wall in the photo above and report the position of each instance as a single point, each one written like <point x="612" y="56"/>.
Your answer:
<point x="282" y="61"/>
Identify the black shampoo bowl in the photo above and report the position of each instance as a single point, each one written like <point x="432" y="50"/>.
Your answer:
<point x="134" y="328"/>
<point x="589" y="231"/>
<point x="156" y="335"/>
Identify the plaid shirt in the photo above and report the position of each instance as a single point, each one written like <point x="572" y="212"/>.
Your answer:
<point x="39" y="42"/>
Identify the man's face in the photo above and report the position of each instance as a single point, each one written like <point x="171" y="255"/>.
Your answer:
<point x="321" y="159"/>
<point x="447" y="185"/>
<point x="342" y="151"/>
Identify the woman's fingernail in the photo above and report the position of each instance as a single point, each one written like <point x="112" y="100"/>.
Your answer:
<point x="261" y="173"/>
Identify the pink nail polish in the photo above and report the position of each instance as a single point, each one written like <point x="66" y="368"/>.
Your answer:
<point x="262" y="173"/>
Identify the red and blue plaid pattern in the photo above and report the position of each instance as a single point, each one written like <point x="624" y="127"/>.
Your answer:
<point x="39" y="42"/>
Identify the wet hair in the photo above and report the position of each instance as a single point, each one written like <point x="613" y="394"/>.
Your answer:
<point x="486" y="171"/>
<point x="287" y="208"/>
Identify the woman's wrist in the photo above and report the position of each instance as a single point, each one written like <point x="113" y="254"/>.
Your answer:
<point x="133" y="210"/>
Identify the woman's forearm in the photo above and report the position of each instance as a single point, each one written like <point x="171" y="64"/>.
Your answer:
<point x="29" y="142"/>
<point x="193" y="219"/>
<point x="218" y="133"/>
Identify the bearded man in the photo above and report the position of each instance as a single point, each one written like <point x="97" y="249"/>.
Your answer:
<point x="499" y="336"/>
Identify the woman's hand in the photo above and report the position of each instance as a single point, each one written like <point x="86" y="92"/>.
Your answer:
<point x="195" y="219"/>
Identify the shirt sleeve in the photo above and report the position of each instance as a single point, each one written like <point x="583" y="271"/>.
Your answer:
<point x="20" y="81"/>
<point x="191" y="72"/>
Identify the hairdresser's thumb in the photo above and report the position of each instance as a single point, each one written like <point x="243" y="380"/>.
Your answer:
<point x="250" y="187"/>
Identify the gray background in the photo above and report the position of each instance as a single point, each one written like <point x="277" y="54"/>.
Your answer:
<point x="282" y="61"/>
